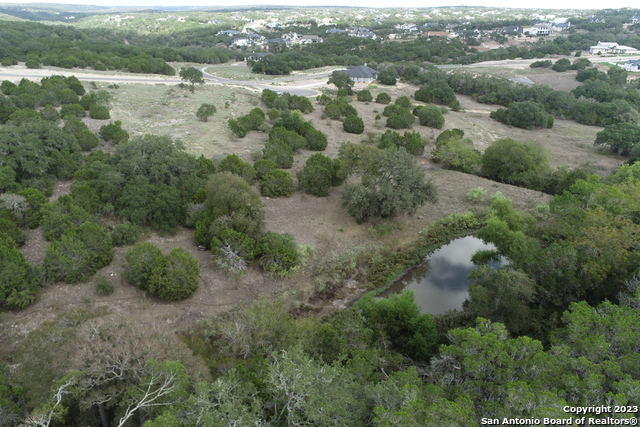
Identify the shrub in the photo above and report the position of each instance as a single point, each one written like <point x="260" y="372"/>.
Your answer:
<point x="236" y="128"/>
<point x="205" y="111"/>
<point x="315" y="140"/>
<point x="140" y="262"/>
<point x="517" y="163"/>
<point x="364" y="96"/>
<point x="404" y="101"/>
<point x="387" y="77"/>
<point x="231" y="201"/>
<point x="263" y="167"/>
<point x="397" y="121"/>
<point x="278" y="152"/>
<point x="458" y="154"/>
<point x="277" y="183"/>
<point x="234" y="164"/>
<point x="87" y="100"/>
<point x="273" y="113"/>
<point x="70" y="110"/>
<point x="429" y="115"/>
<point x="353" y="124"/>
<point x="437" y="92"/>
<point x="126" y="233"/>
<point x="103" y="286"/>
<point x="291" y="138"/>
<point x="87" y="140"/>
<point x="113" y="132"/>
<point x="525" y="115"/>
<point x="383" y="98"/>
<point x="449" y="134"/>
<point x="541" y="64"/>
<point x="99" y="112"/>
<point x="477" y="195"/>
<point x="319" y="174"/>
<point x="561" y="65"/>
<point x="178" y="277"/>
<point x="32" y="63"/>
<point x="279" y="253"/>
<point x="49" y="113"/>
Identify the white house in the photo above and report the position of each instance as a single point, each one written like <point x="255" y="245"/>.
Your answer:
<point x="632" y="65"/>
<point x="612" y="47"/>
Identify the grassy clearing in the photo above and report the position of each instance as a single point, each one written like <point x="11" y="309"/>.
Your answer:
<point x="170" y="110"/>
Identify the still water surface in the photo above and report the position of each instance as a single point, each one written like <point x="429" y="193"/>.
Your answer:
<point x="440" y="283"/>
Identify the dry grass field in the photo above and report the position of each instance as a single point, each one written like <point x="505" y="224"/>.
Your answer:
<point x="318" y="222"/>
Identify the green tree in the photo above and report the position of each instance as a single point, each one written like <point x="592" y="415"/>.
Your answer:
<point x="234" y="164"/>
<point x="525" y="115"/>
<point x="561" y="65"/>
<point x="263" y="167"/>
<point x="398" y="186"/>
<point x="319" y="174"/>
<point x="429" y="115"/>
<point x="236" y="128"/>
<point x="517" y="163"/>
<point x="277" y="183"/>
<point x="233" y="201"/>
<point x="176" y="278"/>
<point x="341" y="80"/>
<point x="365" y="96"/>
<point x="458" y="154"/>
<point x="388" y="77"/>
<point x="140" y="263"/>
<point x="278" y="152"/>
<point x="398" y="319"/>
<point x="113" y="132"/>
<point x="279" y="253"/>
<point x="383" y="98"/>
<point x="205" y="111"/>
<point x="621" y="137"/>
<point x="502" y="295"/>
<point x="353" y="124"/>
<point x="192" y="76"/>
<point x="99" y="112"/>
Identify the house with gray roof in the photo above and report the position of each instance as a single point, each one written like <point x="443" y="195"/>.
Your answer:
<point x="632" y="65"/>
<point x="361" y="73"/>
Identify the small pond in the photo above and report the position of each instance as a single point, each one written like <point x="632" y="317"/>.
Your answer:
<point x="440" y="282"/>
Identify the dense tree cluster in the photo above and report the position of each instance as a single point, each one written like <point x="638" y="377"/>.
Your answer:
<point x="622" y="106"/>
<point x="525" y="115"/>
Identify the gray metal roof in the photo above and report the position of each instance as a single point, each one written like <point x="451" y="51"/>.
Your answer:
<point x="361" y="71"/>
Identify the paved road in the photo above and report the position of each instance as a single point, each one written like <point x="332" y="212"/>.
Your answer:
<point x="303" y="88"/>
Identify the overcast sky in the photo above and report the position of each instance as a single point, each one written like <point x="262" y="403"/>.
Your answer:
<point x="554" y="4"/>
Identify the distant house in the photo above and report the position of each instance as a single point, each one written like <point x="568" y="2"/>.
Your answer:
<point x="635" y="19"/>
<point x="362" y="32"/>
<point x="361" y="73"/>
<point x="430" y="24"/>
<point x="632" y="65"/>
<point x="336" y="31"/>
<point x="256" y="56"/>
<point x="305" y="39"/>
<point x="511" y="29"/>
<point x="596" y="20"/>
<point x="228" y="33"/>
<point x="540" y="29"/>
<point x="561" y="26"/>
<point x="407" y="27"/>
<point x="241" y="42"/>
<point x="612" y="47"/>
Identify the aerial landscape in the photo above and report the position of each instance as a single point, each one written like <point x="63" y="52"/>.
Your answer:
<point x="281" y="215"/>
